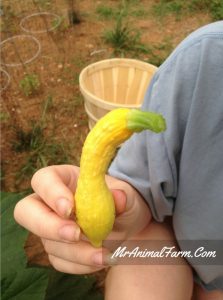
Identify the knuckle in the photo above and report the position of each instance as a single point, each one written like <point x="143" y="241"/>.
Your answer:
<point x="46" y="245"/>
<point x="40" y="174"/>
<point x="55" y="264"/>
<point x="52" y="260"/>
<point x="36" y="176"/>
<point x="17" y="210"/>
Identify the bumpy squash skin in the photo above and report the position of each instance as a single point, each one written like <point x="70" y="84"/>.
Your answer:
<point x="96" y="212"/>
<point x="95" y="209"/>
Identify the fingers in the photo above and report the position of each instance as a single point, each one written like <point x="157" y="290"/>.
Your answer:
<point x="35" y="216"/>
<point x="56" y="186"/>
<point x="80" y="253"/>
<point x="120" y="200"/>
<point x="75" y="258"/>
<point x="71" y="268"/>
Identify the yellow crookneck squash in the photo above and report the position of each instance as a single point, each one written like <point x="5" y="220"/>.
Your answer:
<point x="95" y="209"/>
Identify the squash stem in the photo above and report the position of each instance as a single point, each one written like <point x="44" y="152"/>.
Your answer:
<point x="138" y="120"/>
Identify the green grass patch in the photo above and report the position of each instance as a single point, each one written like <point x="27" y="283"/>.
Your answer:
<point x="181" y="7"/>
<point x="127" y="9"/>
<point x="30" y="84"/>
<point x="163" y="7"/>
<point x="105" y="12"/>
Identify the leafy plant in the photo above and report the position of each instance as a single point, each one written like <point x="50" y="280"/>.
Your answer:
<point x="17" y="281"/>
<point x="22" y="281"/>
<point x="124" y="38"/>
<point x="30" y="84"/>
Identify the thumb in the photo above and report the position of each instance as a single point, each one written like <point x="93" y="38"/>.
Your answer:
<point x="120" y="199"/>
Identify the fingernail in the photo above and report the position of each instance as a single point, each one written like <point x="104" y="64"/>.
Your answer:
<point x="64" y="207"/>
<point x="110" y="260"/>
<point x="69" y="233"/>
<point x="101" y="258"/>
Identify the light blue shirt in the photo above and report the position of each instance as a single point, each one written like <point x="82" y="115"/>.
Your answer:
<point x="180" y="172"/>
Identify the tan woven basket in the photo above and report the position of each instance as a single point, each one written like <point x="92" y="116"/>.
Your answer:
<point x="113" y="83"/>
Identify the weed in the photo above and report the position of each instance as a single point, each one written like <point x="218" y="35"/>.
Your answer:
<point x="139" y="13"/>
<point x="159" y="52"/>
<point x="30" y="84"/>
<point x="43" y="4"/>
<point x="127" y="8"/>
<point x="78" y="61"/>
<point x="28" y="140"/>
<point x="45" y="153"/>
<point x="41" y="147"/>
<point x="105" y="12"/>
<point x="7" y="15"/>
<point x="178" y="7"/>
<point x="71" y="105"/>
<point x="60" y="25"/>
<point x="77" y="100"/>
<point x="124" y="38"/>
<point x="75" y="79"/>
<point x="4" y="116"/>
<point x="216" y="8"/>
<point x="163" y="7"/>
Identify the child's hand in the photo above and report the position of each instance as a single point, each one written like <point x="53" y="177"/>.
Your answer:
<point x="47" y="212"/>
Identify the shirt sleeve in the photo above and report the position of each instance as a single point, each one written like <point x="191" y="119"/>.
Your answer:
<point x="174" y="165"/>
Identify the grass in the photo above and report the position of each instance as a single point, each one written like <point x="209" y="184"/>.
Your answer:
<point x="43" y="4"/>
<point x="159" y="52"/>
<point x="128" y="8"/>
<point x="7" y="24"/>
<point x="124" y="38"/>
<point x="163" y="7"/>
<point x="4" y="116"/>
<point x="181" y="7"/>
<point x="41" y="147"/>
<point x="216" y="9"/>
<point x="30" y="84"/>
<point x="105" y="12"/>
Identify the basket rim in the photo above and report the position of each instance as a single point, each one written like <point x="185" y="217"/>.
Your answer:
<point x="113" y="62"/>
